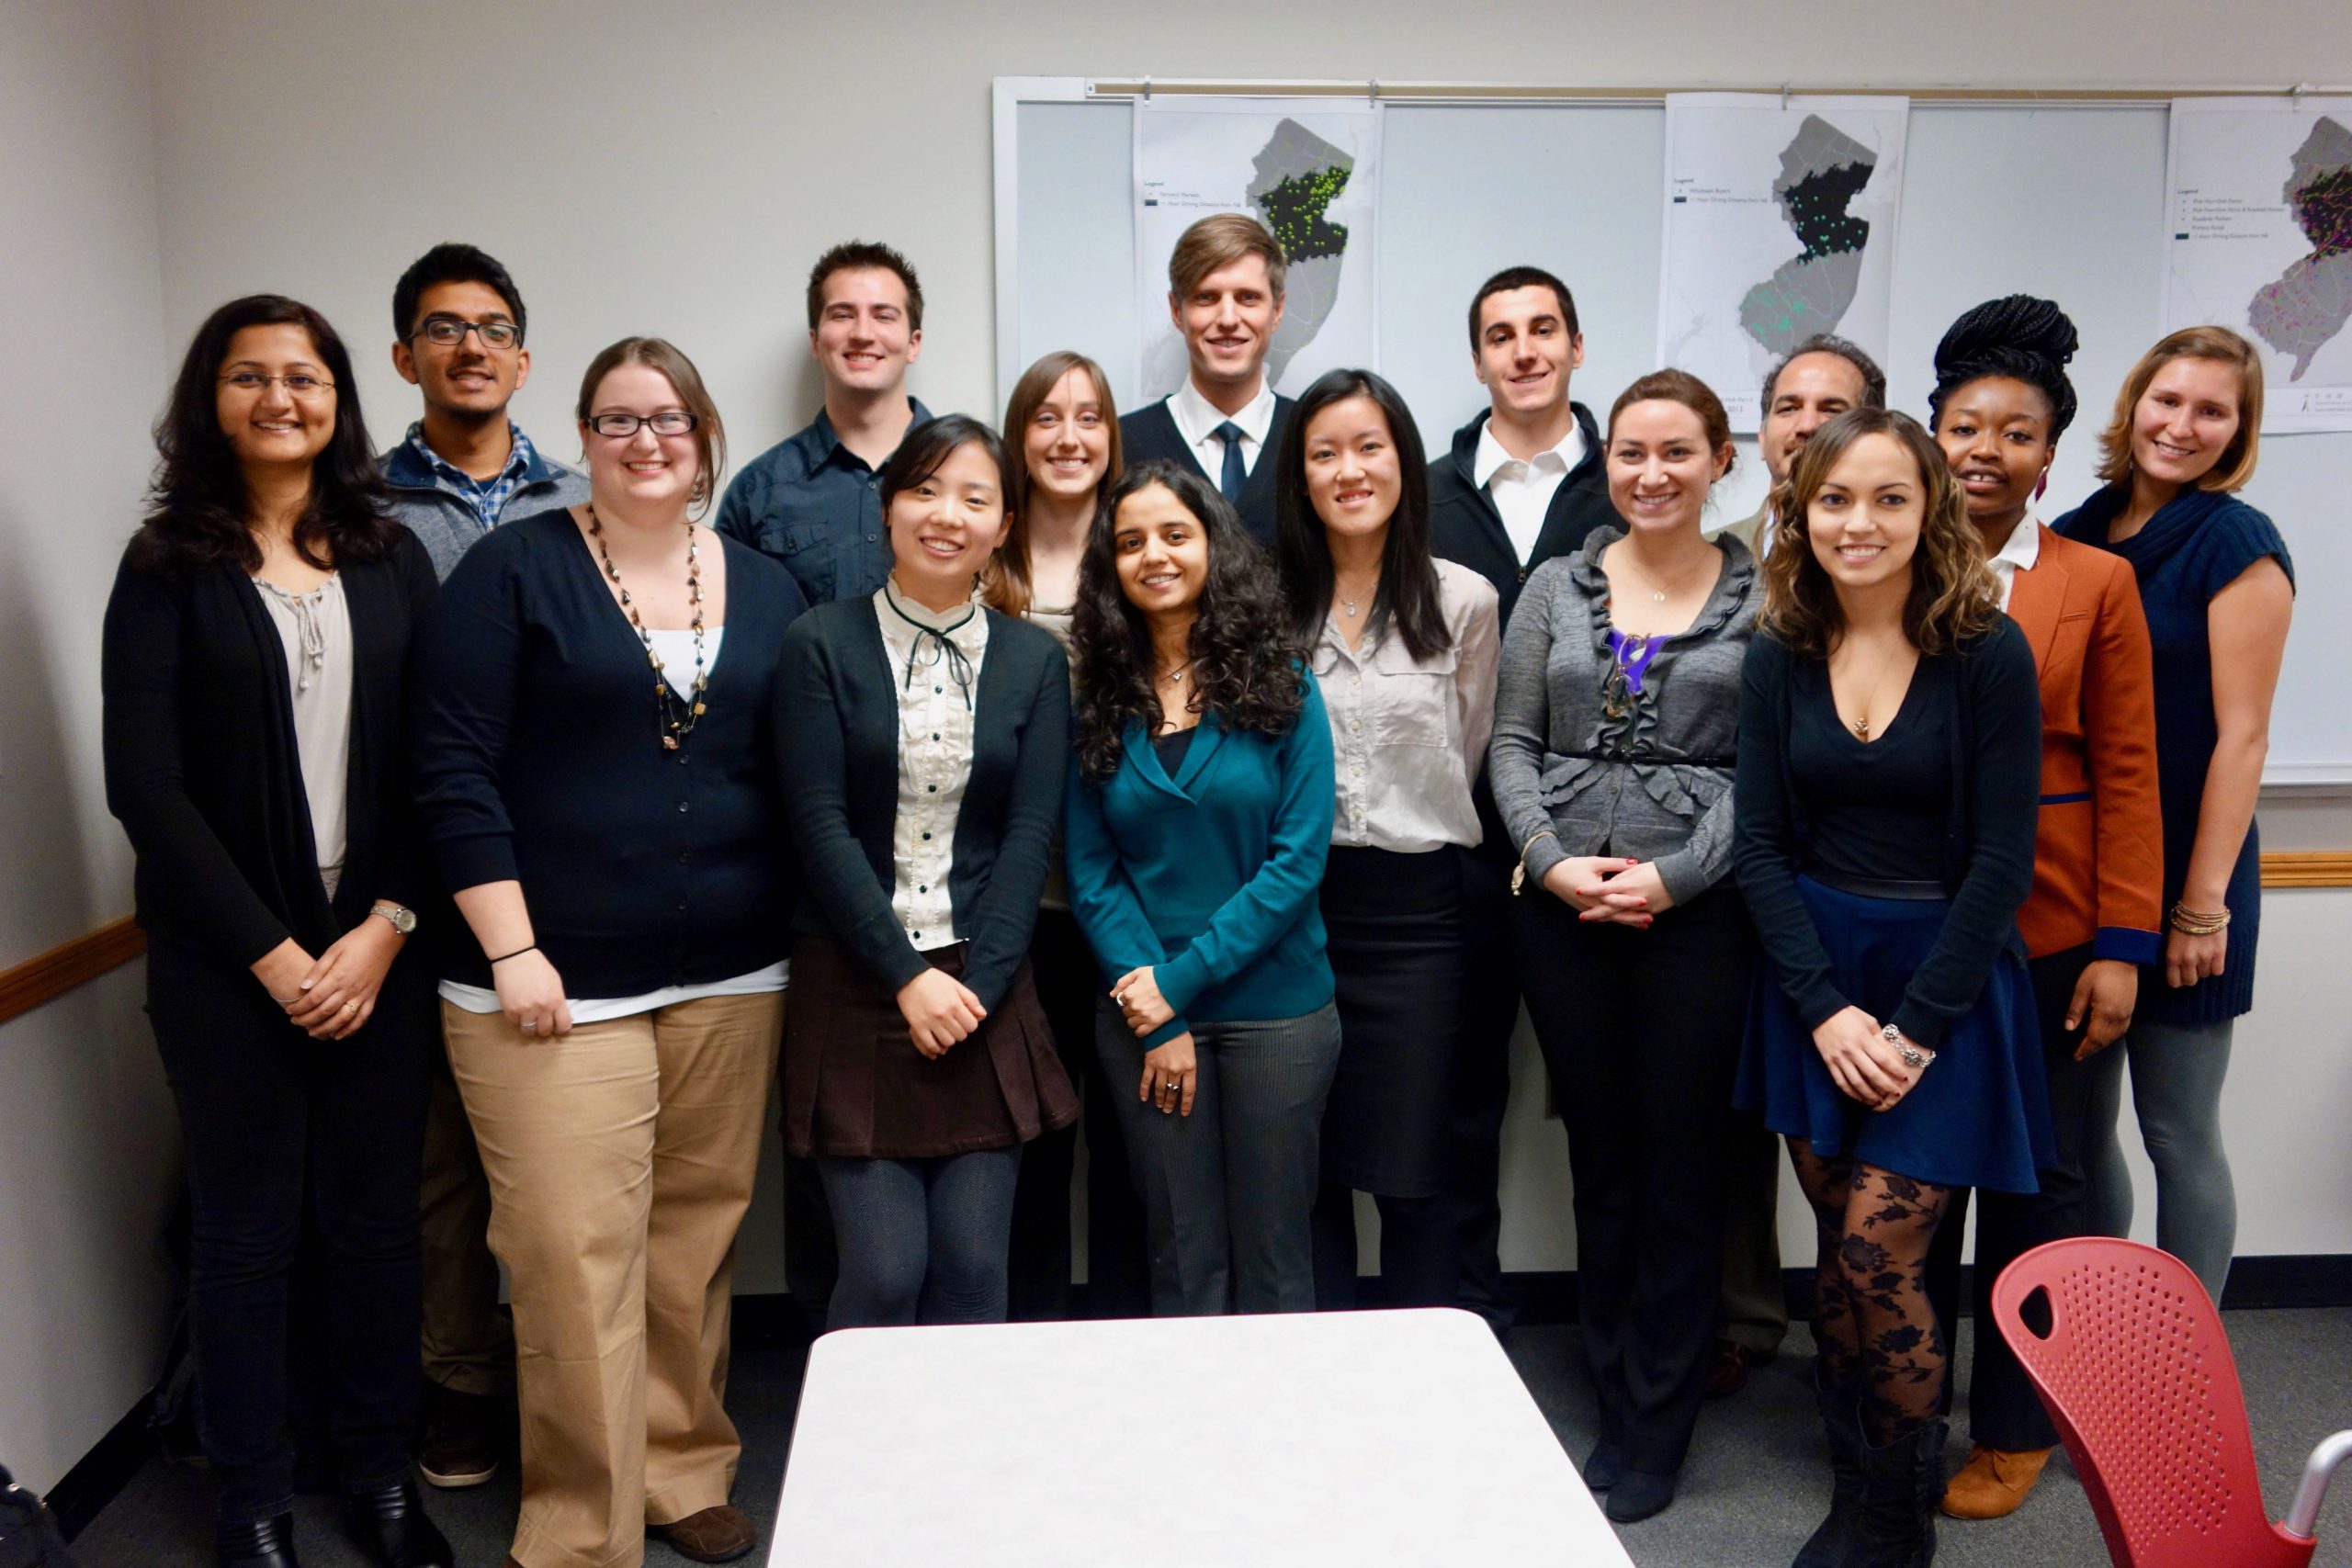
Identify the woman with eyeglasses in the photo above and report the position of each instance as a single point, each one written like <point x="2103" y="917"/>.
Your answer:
<point x="254" y="663"/>
<point x="922" y="743"/>
<point x="595" y="760"/>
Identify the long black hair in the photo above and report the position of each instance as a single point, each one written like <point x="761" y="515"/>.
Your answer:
<point x="1246" y="663"/>
<point x="1407" y="592"/>
<point x="196" y="505"/>
<point x="2019" y="336"/>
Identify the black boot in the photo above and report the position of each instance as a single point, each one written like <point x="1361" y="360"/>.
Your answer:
<point x="389" y="1522"/>
<point x="1839" y="1406"/>
<point x="257" y="1543"/>
<point x="1901" y="1485"/>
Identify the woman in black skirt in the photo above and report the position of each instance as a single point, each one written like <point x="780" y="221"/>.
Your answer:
<point x="1614" y="723"/>
<point x="255" y="663"/>
<point x="1404" y="647"/>
<point x="1889" y="753"/>
<point x="922" y="744"/>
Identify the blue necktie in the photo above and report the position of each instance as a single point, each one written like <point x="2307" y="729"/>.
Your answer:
<point x="1230" y="480"/>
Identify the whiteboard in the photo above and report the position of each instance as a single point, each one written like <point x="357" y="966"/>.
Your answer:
<point x="2060" y="199"/>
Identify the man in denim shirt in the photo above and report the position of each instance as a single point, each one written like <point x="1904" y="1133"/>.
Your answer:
<point x="812" y="501"/>
<point x="464" y="467"/>
<point x="463" y="470"/>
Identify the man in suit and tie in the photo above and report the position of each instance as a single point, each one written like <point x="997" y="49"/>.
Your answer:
<point x="1225" y="294"/>
<point x="1813" y="384"/>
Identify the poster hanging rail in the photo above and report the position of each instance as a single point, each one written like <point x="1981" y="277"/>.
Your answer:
<point x="1144" y="87"/>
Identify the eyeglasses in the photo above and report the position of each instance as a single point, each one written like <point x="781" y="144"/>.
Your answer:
<point x="620" y="426"/>
<point x="447" y="331"/>
<point x="298" y="385"/>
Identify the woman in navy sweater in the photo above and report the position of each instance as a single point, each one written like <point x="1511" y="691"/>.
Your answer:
<point x="921" y="747"/>
<point x="1198" y="822"/>
<point x="1884" y="808"/>
<point x="2218" y="589"/>
<point x="597" y="775"/>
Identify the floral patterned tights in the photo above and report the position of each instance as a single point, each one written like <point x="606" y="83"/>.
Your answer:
<point x="1871" y="1316"/>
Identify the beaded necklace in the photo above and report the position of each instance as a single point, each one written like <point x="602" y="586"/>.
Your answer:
<point x="675" y="720"/>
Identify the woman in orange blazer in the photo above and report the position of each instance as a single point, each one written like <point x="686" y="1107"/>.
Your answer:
<point x="2001" y="402"/>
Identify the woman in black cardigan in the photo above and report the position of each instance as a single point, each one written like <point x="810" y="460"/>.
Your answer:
<point x="1884" y="808"/>
<point x="596" y="770"/>
<point x="922" y="740"/>
<point x="255" y="653"/>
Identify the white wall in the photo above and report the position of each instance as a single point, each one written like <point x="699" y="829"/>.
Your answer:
<point x="674" y="169"/>
<point x="86" y="1138"/>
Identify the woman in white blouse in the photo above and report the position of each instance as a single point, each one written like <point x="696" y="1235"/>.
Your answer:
<point x="922" y="743"/>
<point x="1405" y="649"/>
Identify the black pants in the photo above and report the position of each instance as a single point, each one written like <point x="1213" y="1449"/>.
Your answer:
<point x="1490" y="997"/>
<point x="267" y="1114"/>
<point x="2003" y="1410"/>
<point x="1641" y="1030"/>
<point x="1118" y="1265"/>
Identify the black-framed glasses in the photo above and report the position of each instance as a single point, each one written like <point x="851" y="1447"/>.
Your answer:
<point x="621" y="426"/>
<point x="297" y="384"/>
<point x="449" y="332"/>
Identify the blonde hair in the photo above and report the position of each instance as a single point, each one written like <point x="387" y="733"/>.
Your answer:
<point x="1953" y="595"/>
<point x="1220" y="239"/>
<point x="2231" y="471"/>
<point x="710" y="435"/>
<point x="1004" y="582"/>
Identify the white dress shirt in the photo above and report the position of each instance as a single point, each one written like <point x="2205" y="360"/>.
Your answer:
<point x="1408" y="736"/>
<point x="1197" y="419"/>
<point x="1524" y="487"/>
<point x="935" y="714"/>
<point x="2017" y="553"/>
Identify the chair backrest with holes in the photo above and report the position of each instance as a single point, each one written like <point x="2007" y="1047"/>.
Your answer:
<point x="2138" y="1378"/>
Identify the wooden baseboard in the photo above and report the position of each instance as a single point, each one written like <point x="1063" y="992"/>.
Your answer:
<point x="49" y="976"/>
<point x="2307" y="868"/>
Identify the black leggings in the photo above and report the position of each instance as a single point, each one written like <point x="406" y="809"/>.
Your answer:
<point x="266" y="1112"/>
<point x="1871" y="1319"/>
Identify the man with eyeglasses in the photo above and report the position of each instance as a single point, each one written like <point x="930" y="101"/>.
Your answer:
<point x="463" y="470"/>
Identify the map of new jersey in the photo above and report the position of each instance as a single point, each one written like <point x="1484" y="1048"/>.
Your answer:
<point x="2313" y="298"/>
<point x="1299" y="175"/>
<point x="1822" y="171"/>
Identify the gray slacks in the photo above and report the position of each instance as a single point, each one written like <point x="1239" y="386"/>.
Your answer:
<point x="1227" y="1190"/>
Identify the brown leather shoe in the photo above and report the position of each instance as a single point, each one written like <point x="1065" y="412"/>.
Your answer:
<point x="1993" y="1483"/>
<point x="715" y="1535"/>
<point x="1728" y="1370"/>
<point x="460" y="1446"/>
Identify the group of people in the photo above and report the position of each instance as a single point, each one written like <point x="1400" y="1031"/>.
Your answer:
<point x="1226" y="775"/>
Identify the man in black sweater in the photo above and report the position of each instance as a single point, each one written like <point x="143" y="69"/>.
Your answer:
<point x="1225" y="294"/>
<point x="1522" y="484"/>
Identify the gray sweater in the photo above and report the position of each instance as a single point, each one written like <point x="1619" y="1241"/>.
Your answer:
<point x="1648" y="773"/>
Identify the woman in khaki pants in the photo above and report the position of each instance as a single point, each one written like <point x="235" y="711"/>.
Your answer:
<point x="596" y="773"/>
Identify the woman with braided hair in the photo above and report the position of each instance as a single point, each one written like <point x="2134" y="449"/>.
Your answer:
<point x="2000" y="403"/>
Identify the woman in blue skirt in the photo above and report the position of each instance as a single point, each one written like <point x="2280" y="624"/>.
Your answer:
<point x="1886" y="798"/>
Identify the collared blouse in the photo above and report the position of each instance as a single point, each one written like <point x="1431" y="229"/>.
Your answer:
<point x="1408" y="736"/>
<point x="935" y="659"/>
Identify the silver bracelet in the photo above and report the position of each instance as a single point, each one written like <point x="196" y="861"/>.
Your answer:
<point x="1913" y="1055"/>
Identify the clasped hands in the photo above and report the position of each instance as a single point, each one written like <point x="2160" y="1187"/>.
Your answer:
<point x="1610" y="889"/>
<point x="330" y="997"/>
<point x="1170" y="1069"/>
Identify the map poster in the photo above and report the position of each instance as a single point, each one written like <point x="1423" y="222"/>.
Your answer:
<point x="1308" y="170"/>
<point x="1780" y="224"/>
<point x="2259" y="238"/>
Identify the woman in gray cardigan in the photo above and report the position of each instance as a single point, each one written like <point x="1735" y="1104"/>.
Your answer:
<point x="1615" y="715"/>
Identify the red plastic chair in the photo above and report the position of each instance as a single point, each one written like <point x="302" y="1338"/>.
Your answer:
<point x="2137" y="1376"/>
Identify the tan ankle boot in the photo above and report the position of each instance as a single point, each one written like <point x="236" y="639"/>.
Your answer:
<point x="1993" y="1481"/>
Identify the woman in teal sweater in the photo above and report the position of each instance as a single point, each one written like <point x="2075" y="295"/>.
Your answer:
<point x="1198" y="818"/>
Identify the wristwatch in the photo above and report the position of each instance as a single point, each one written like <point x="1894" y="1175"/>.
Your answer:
<point x="402" y="917"/>
<point x="1913" y="1055"/>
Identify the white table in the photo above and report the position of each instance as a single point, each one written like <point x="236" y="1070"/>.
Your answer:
<point x="1368" y="1438"/>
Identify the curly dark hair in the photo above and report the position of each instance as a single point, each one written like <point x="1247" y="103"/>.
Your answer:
<point x="1246" y="662"/>
<point x="198" y="503"/>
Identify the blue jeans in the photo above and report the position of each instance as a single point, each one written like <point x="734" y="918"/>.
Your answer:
<point x="2176" y="1073"/>
<point x="922" y="1240"/>
<point x="1227" y="1190"/>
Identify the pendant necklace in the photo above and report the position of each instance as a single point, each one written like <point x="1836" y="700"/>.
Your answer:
<point x="673" y="720"/>
<point x="1862" y="725"/>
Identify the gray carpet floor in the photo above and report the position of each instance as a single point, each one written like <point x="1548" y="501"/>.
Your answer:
<point x="1756" y="1483"/>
